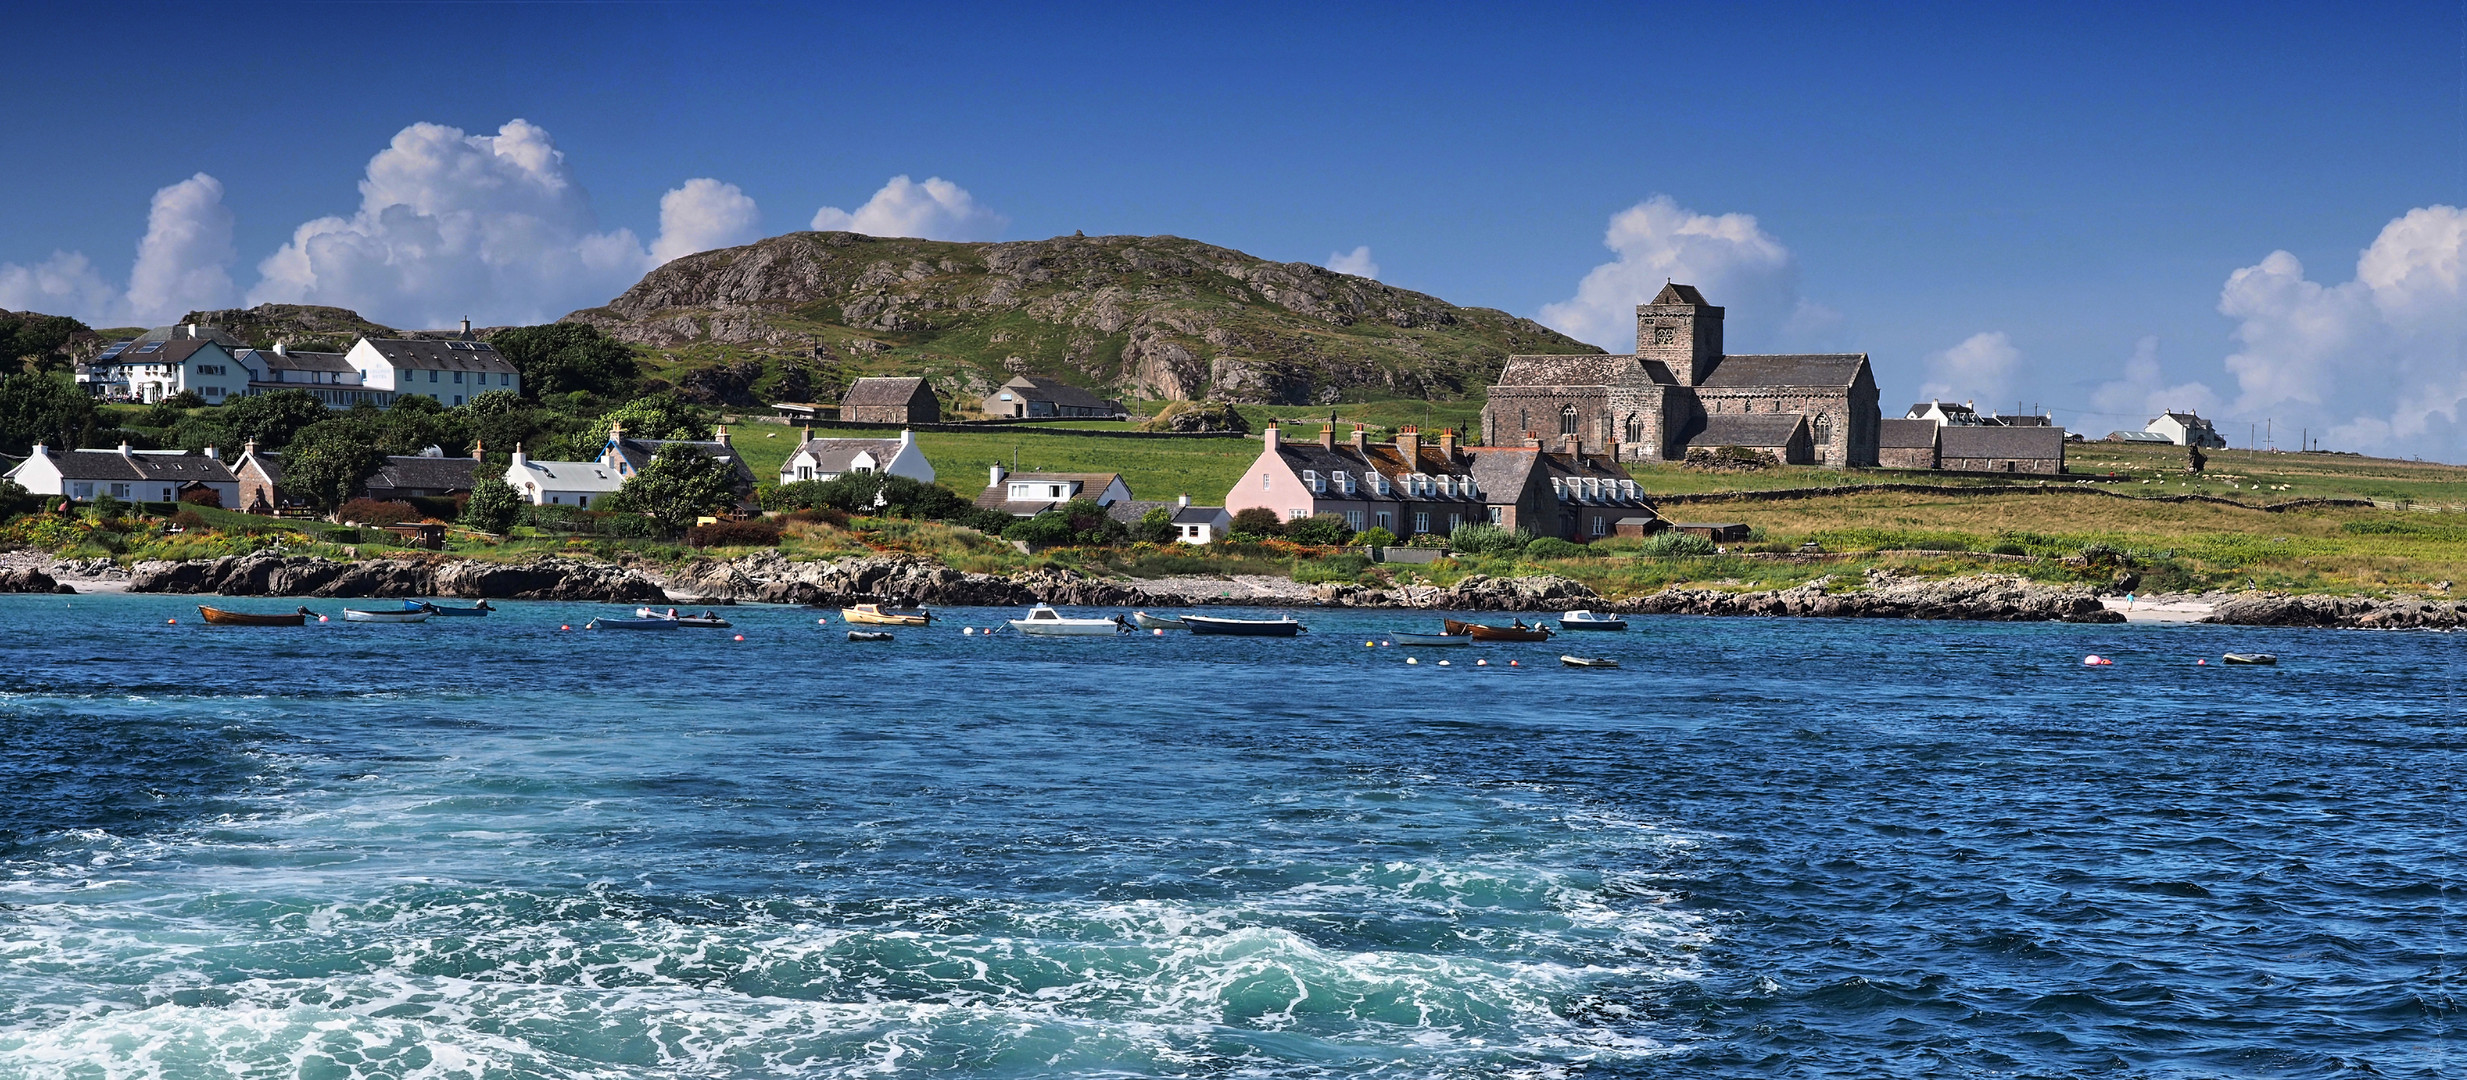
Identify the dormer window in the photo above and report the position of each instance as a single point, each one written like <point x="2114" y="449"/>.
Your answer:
<point x="1312" y="478"/>
<point x="1344" y="483"/>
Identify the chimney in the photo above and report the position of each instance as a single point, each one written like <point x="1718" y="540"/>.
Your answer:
<point x="40" y="450"/>
<point x="1361" y="442"/>
<point x="520" y="459"/>
<point x="809" y="435"/>
<point x="1533" y="441"/>
<point x="998" y="474"/>
<point x="1271" y="436"/>
<point x="1447" y="444"/>
<point x="1409" y="444"/>
<point x="211" y="455"/>
<point x="282" y="348"/>
<point x="1327" y="437"/>
<point x="478" y="451"/>
<point x="124" y="450"/>
<point x="1568" y="445"/>
<point x="1181" y="501"/>
<point x="249" y="449"/>
<point x="192" y="329"/>
<point x="719" y="436"/>
<point x="466" y="329"/>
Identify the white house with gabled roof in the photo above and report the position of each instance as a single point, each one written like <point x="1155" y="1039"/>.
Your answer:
<point x="562" y="483"/>
<point x="134" y="475"/>
<point x="829" y="459"/>
<point x="450" y="370"/>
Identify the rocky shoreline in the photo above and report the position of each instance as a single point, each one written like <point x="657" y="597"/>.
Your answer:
<point x="769" y="577"/>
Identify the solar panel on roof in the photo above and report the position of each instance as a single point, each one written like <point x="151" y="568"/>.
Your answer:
<point x="149" y="346"/>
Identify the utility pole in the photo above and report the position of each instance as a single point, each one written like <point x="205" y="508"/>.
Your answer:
<point x="2265" y="433"/>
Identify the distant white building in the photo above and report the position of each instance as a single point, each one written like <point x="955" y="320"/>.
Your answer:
<point x="1200" y="524"/>
<point x="451" y="371"/>
<point x="1030" y="494"/>
<point x="829" y="459"/>
<point x="134" y="475"/>
<point x="2185" y="429"/>
<point x="561" y="483"/>
<point x="327" y="376"/>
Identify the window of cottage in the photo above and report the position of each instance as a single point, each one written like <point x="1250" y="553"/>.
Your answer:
<point x="1494" y="515"/>
<point x="1421" y="522"/>
<point x="1297" y="513"/>
<point x="1386" y="521"/>
<point x="1598" y="524"/>
<point x="1353" y="520"/>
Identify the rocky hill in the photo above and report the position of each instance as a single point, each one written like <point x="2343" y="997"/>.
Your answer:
<point x="302" y="326"/>
<point x="1155" y="317"/>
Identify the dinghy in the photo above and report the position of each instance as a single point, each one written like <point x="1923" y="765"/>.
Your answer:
<point x="1431" y="639"/>
<point x="220" y="617"/>
<point x="1044" y="621"/>
<point x="2262" y="658"/>
<point x="1518" y="632"/>
<point x="1586" y="620"/>
<point x="360" y="615"/>
<point x="656" y="623"/>
<point x="707" y="620"/>
<point x="1146" y="621"/>
<point x="1283" y="626"/>
<point x="869" y="635"/>
<point x="479" y="609"/>
<point x="1588" y="661"/>
<point x="873" y="614"/>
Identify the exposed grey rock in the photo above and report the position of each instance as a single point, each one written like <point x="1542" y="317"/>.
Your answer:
<point x="1985" y="597"/>
<point x="2280" y="609"/>
<point x="551" y="578"/>
<point x="26" y="579"/>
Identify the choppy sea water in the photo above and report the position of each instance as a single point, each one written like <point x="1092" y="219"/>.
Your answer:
<point x="487" y="848"/>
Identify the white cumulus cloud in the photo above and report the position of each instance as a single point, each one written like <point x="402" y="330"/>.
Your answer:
<point x="1356" y="262"/>
<point x="934" y="210"/>
<point x="495" y="228"/>
<point x="1735" y="263"/>
<point x="702" y="215"/>
<point x="183" y="264"/>
<point x="1981" y="368"/>
<point x="2380" y="361"/>
<point x="2144" y="392"/>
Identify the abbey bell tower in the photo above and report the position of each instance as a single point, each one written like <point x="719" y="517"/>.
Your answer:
<point x="1682" y="331"/>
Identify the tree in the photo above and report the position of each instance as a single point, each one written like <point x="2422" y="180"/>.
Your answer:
<point x="659" y="416"/>
<point x="494" y="505"/>
<point x="328" y="462"/>
<point x="1155" y="527"/>
<point x="1375" y="536"/>
<point x="1256" y="523"/>
<point x="562" y="358"/>
<point x="1484" y="538"/>
<point x="41" y="409"/>
<point x="679" y="485"/>
<point x="41" y="339"/>
<point x="273" y="418"/>
<point x="185" y="399"/>
<point x="1326" y="530"/>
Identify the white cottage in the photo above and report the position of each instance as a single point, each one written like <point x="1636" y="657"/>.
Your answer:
<point x="451" y="371"/>
<point x="2185" y="429"/>
<point x="829" y="459"/>
<point x="134" y="475"/>
<point x="1200" y="524"/>
<point x="561" y="483"/>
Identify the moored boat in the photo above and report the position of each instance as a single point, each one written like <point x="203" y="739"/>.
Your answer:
<point x="1044" y="621"/>
<point x="869" y="635"/>
<point x="708" y="620"/>
<point x="1146" y="621"/>
<point x="660" y="622"/>
<point x="2258" y="658"/>
<point x="872" y="614"/>
<point x="478" y="609"/>
<point x="1518" y="632"/>
<point x="1281" y="626"/>
<point x="1586" y="620"/>
<point x="364" y="615"/>
<point x="220" y="617"/>
<point x="1431" y="639"/>
<point x="1588" y="661"/>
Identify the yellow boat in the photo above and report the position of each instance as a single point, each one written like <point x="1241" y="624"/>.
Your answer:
<point x="872" y="614"/>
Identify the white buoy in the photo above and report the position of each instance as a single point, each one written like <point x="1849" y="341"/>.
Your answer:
<point x="967" y="630"/>
<point x="1413" y="659"/>
<point x="1443" y="663"/>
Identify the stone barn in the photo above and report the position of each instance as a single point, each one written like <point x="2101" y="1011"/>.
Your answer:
<point x="1907" y="444"/>
<point x="890" y="401"/>
<point x="2001" y="449"/>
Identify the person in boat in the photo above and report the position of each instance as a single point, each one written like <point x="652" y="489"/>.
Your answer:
<point x="1520" y="624"/>
<point x="482" y="606"/>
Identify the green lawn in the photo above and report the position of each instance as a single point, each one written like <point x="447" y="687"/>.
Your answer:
<point x="1204" y="469"/>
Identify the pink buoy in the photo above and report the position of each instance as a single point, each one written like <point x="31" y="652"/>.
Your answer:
<point x="567" y="626"/>
<point x="1158" y="632"/>
<point x="740" y="637"/>
<point x="2095" y="660"/>
<point x="171" y="622"/>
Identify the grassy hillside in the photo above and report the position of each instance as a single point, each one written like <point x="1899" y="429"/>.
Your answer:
<point x="796" y="317"/>
<point x="1204" y="469"/>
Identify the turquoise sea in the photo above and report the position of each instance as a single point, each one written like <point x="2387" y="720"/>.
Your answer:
<point x="1762" y="848"/>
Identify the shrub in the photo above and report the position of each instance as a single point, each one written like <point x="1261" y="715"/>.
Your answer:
<point x="189" y="519"/>
<point x="626" y="526"/>
<point x="1375" y="536"/>
<point x="1335" y="569"/>
<point x="1048" y="529"/>
<point x="755" y="533"/>
<point x="203" y="496"/>
<point x="554" y="517"/>
<point x="1155" y="527"/>
<point x="1551" y="547"/>
<point x="1484" y="538"/>
<point x="1256" y="523"/>
<point x="2102" y="555"/>
<point x="494" y="505"/>
<point x="1671" y="543"/>
<point x="2008" y="548"/>
<point x="831" y="516"/>
<point x="1326" y="530"/>
<point x="372" y="512"/>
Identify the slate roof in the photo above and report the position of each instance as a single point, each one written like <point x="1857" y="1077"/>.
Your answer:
<point x="174" y="351"/>
<point x="1129" y="511"/>
<point x="1675" y="293"/>
<point x="884" y="391"/>
<point x="1384" y="459"/>
<point x="639" y="452"/>
<point x="1808" y="369"/>
<point x="1583" y="369"/>
<point x="2187" y="419"/>
<point x="835" y="455"/>
<point x="573" y="476"/>
<point x="1198" y="515"/>
<point x="1089" y="485"/>
<point x="269" y="463"/>
<point x="177" y="468"/>
<point x="1903" y="434"/>
<point x="2138" y="436"/>
<point x="423" y="472"/>
<point x="1035" y="388"/>
<point x="273" y="361"/>
<point x="1749" y="429"/>
<point x="1501" y="472"/>
<point x="214" y="334"/>
<point x="2002" y="442"/>
<point x="427" y="355"/>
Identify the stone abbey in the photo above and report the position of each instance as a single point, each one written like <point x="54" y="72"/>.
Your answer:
<point x="1680" y="391"/>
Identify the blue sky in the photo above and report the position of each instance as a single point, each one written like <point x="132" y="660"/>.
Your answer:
<point x="2014" y="204"/>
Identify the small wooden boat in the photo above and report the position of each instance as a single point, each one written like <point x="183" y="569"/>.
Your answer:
<point x="708" y="620"/>
<point x="1431" y="639"/>
<point x="872" y="614"/>
<point x="1588" y="661"/>
<point x="220" y="617"/>
<point x="2261" y="658"/>
<point x="869" y="635"/>
<point x="1145" y="621"/>
<point x="363" y="615"/>
<point x="661" y="622"/>
<point x="1282" y="626"/>
<point x="1518" y="632"/>
<point x="1586" y="620"/>
<point x="1044" y="621"/>
<point x="478" y="609"/>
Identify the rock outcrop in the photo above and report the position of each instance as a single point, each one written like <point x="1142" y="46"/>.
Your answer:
<point x="2356" y="612"/>
<point x="26" y="579"/>
<point x="769" y="577"/>
<point x="1985" y="598"/>
<point x="551" y="578"/>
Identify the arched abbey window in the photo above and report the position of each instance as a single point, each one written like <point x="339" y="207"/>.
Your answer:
<point x="1822" y="429"/>
<point x="1636" y="428"/>
<point x="1567" y="420"/>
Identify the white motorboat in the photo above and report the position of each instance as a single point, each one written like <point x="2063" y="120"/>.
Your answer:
<point x="360" y="615"/>
<point x="1146" y="621"/>
<point x="1044" y="621"/>
<point x="1586" y="620"/>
